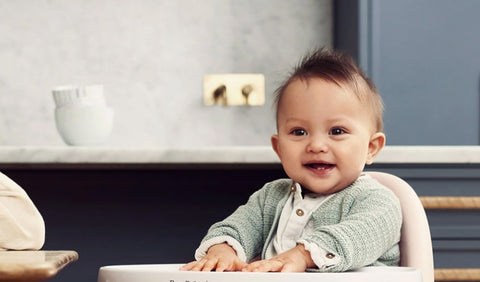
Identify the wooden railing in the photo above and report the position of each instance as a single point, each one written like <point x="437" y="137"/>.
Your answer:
<point x="457" y="274"/>
<point x="450" y="203"/>
<point x="445" y="203"/>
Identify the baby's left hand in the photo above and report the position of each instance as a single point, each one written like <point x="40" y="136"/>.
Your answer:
<point x="295" y="260"/>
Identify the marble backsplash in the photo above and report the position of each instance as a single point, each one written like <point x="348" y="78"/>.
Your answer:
<point x="151" y="57"/>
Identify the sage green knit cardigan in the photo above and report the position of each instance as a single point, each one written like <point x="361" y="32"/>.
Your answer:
<point x="355" y="227"/>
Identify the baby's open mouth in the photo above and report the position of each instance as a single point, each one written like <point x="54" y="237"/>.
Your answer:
<point x="320" y="166"/>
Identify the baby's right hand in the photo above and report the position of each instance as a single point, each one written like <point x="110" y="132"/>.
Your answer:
<point x="220" y="257"/>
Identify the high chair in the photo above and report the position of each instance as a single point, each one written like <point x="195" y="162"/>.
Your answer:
<point x="415" y="243"/>
<point x="415" y="246"/>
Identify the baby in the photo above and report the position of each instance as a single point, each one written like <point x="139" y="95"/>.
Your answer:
<point x="21" y="225"/>
<point x="328" y="216"/>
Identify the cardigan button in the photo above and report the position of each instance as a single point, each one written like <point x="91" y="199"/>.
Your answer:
<point x="330" y="256"/>
<point x="300" y="212"/>
<point x="293" y="188"/>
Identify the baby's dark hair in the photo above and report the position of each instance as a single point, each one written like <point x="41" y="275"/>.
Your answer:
<point x="339" y="68"/>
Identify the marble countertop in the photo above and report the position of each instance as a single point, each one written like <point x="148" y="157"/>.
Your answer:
<point x="214" y="155"/>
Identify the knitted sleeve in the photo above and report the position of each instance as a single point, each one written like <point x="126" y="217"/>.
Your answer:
<point x="247" y="228"/>
<point x="367" y="233"/>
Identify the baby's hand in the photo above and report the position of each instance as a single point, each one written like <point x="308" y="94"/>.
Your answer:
<point x="295" y="260"/>
<point x="219" y="257"/>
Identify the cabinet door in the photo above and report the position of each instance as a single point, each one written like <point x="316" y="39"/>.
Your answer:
<point x="424" y="57"/>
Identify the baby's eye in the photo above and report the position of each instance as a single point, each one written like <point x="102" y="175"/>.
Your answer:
<point x="298" y="132"/>
<point x="337" y="131"/>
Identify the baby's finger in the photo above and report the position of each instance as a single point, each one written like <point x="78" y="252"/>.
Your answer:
<point x="189" y="265"/>
<point x="239" y="265"/>
<point x="222" y="266"/>
<point x="264" y="266"/>
<point x="251" y="266"/>
<point x="199" y="265"/>
<point x="209" y="265"/>
<point x="289" y="267"/>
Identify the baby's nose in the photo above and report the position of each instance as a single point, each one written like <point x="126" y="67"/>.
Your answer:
<point x="317" y="145"/>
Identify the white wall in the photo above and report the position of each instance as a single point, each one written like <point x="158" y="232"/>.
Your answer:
<point x="151" y="57"/>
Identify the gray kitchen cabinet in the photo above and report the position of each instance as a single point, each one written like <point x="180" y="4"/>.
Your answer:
<point x="424" y="57"/>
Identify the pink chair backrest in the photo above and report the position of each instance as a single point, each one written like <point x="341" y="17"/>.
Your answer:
<point x="415" y="243"/>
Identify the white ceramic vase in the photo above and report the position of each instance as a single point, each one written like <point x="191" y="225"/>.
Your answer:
<point x="84" y="125"/>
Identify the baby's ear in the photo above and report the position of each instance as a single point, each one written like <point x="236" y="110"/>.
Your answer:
<point x="274" y="141"/>
<point x="377" y="142"/>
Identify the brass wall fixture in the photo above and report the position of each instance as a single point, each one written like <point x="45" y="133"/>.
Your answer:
<point x="220" y="95"/>
<point x="234" y="89"/>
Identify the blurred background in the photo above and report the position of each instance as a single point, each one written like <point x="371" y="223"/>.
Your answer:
<point x="151" y="57"/>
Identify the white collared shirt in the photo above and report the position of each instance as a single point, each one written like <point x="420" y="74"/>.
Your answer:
<point x="294" y="222"/>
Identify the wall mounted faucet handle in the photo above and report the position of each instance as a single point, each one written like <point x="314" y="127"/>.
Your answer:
<point x="220" y="95"/>
<point x="246" y="90"/>
<point x="234" y="89"/>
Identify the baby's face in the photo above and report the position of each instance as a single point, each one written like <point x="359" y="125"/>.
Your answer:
<point x="325" y="135"/>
